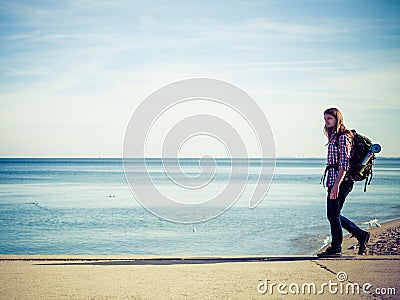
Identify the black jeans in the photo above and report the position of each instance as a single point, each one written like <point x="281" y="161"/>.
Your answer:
<point x="337" y="221"/>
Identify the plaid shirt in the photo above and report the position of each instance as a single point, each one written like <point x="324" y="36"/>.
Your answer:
<point x="343" y="148"/>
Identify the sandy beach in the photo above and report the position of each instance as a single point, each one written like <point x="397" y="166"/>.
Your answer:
<point x="235" y="277"/>
<point x="384" y="240"/>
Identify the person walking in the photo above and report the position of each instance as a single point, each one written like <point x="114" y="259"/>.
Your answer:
<point x="339" y="183"/>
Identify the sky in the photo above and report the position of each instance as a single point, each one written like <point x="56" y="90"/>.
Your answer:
<point x="73" y="72"/>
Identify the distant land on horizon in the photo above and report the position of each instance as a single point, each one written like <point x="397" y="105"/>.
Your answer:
<point x="119" y="157"/>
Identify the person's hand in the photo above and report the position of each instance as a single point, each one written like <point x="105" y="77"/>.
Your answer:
<point x="334" y="192"/>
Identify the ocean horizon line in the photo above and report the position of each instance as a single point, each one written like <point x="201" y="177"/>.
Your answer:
<point x="185" y="157"/>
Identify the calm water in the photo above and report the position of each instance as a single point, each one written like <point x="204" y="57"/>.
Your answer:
<point x="84" y="206"/>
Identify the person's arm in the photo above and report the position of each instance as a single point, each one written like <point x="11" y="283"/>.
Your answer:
<point x="335" y="188"/>
<point x="344" y="164"/>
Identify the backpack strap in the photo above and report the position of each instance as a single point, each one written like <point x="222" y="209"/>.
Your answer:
<point x="327" y="168"/>
<point x="367" y="182"/>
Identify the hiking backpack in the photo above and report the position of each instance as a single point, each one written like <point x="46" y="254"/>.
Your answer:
<point x="361" y="160"/>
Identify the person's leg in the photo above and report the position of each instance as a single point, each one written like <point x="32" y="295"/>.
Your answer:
<point x="344" y="190"/>
<point x="361" y="235"/>
<point x="335" y="219"/>
<point x="351" y="227"/>
<point x="333" y="214"/>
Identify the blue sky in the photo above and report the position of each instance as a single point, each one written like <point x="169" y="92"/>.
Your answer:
<point x="73" y="72"/>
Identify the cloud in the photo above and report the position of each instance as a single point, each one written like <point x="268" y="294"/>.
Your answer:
<point x="109" y="55"/>
<point x="267" y="25"/>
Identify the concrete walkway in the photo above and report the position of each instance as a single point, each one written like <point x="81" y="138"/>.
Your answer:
<point x="237" y="277"/>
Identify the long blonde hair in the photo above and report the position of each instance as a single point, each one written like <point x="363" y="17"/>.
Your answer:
<point x="340" y="127"/>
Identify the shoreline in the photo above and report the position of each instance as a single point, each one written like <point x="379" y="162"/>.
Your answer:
<point x="377" y="234"/>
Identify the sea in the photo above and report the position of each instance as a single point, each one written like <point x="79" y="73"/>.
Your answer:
<point x="86" y="206"/>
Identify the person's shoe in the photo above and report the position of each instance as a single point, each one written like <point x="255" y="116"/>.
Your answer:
<point x="362" y="242"/>
<point x="330" y="253"/>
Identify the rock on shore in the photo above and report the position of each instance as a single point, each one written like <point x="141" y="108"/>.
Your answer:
<point x="387" y="242"/>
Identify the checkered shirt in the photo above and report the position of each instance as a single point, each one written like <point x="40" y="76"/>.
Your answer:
<point x="343" y="148"/>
